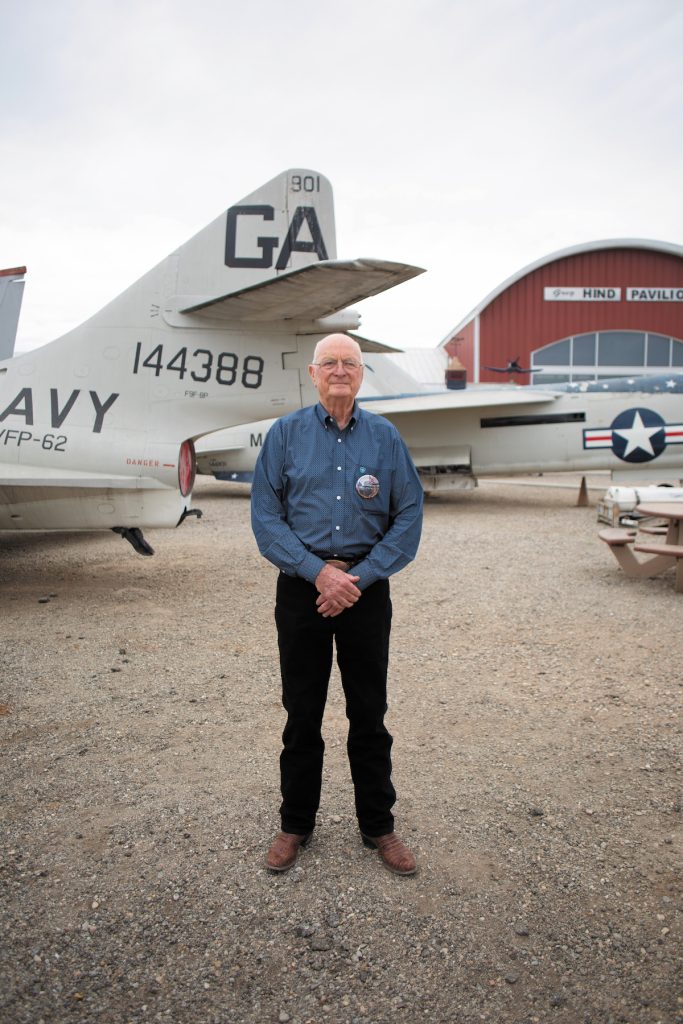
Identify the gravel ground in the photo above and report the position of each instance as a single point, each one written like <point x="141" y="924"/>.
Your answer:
<point x="533" y="702"/>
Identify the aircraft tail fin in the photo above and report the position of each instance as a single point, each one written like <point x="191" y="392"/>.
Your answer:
<point x="269" y="257"/>
<point x="11" y="294"/>
<point x="284" y="225"/>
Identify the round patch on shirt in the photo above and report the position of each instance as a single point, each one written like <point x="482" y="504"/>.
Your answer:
<point x="367" y="486"/>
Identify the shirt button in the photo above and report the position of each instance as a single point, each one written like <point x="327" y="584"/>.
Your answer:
<point x="339" y="497"/>
<point x="338" y="469"/>
<point x="339" y="440"/>
<point x="337" y="527"/>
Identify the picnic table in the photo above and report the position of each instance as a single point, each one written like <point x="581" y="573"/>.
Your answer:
<point x="665" y="552"/>
<point x="672" y="512"/>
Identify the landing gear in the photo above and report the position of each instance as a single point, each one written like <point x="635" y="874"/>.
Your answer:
<point x="190" y="512"/>
<point x="134" y="536"/>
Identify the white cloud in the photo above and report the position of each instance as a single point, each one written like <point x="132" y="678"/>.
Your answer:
<point x="469" y="139"/>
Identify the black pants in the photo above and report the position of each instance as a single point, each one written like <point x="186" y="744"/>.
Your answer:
<point x="305" y="640"/>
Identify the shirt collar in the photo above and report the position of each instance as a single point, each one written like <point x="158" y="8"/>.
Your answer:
<point x="325" y="418"/>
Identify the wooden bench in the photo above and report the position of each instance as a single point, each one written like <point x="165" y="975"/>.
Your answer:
<point x="619" y="542"/>
<point x="668" y="551"/>
<point x="616" y="537"/>
<point x="672" y="550"/>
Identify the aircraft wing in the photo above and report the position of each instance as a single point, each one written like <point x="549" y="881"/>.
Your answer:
<point x="225" y="440"/>
<point x="309" y="293"/>
<point x="470" y="398"/>
<point x="31" y="476"/>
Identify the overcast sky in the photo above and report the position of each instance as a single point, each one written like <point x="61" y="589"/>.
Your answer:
<point x="469" y="137"/>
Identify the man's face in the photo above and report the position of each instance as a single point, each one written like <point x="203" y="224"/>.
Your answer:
<point x="338" y="382"/>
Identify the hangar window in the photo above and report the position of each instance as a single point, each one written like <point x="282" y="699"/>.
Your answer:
<point x="621" y="348"/>
<point x="583" y="350"/>
<point x="605" y="354"/>
<point x="558" y="354"/>
<point x="658" y="350"/>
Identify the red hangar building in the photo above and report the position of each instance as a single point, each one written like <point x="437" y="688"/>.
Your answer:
<point x="589" y="312"/>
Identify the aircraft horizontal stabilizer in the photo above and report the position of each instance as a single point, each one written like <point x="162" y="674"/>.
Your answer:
<point x="369" y="345"/>
<point x="310" y="293"/>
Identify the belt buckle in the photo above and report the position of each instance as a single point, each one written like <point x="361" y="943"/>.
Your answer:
<point x="337" y="563"/>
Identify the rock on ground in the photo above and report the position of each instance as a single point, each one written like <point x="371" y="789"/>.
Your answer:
<point x="533" y="702"/>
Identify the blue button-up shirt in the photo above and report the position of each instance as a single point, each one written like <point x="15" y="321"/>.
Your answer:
<point x="305" y="507"/>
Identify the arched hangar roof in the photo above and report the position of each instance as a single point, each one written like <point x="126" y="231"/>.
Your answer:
<point x="573" y="250"/>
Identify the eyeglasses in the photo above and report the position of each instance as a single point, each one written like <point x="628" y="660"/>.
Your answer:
<point x="331" y="364"/>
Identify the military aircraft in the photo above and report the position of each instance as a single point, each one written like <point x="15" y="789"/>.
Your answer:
<point x="511" y="368"/>
<point x="97" y="428"/>
<point x="11" y="291"/>
<point x="630" y="426"/>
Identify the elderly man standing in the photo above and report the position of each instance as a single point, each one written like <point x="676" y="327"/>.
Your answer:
<point x="337" y="507"/>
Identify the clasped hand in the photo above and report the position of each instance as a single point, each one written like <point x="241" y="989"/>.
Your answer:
<point x="337" y="591"/>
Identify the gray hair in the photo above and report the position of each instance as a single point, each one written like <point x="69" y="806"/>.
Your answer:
<point x="336" y="337"/>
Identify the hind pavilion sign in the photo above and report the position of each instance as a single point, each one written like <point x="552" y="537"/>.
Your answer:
<point x="654" y="294"/>
<point x="595" y="293"/>
<point x="587" y="294"/>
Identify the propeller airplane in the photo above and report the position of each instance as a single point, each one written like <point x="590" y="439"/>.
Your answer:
<point x="512" y="367"/>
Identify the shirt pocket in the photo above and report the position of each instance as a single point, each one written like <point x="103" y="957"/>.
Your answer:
<point x="370" y="492"/>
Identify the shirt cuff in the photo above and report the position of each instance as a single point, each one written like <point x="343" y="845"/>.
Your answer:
<point x="310" y="567"/>
<point x="367" y="576"/>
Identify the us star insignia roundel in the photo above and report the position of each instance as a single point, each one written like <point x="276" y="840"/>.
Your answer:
<point x="635" y="435"/>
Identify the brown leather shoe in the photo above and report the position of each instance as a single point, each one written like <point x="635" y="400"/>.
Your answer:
<point x="394" y="853"/>
<point x="284" y="850"/>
